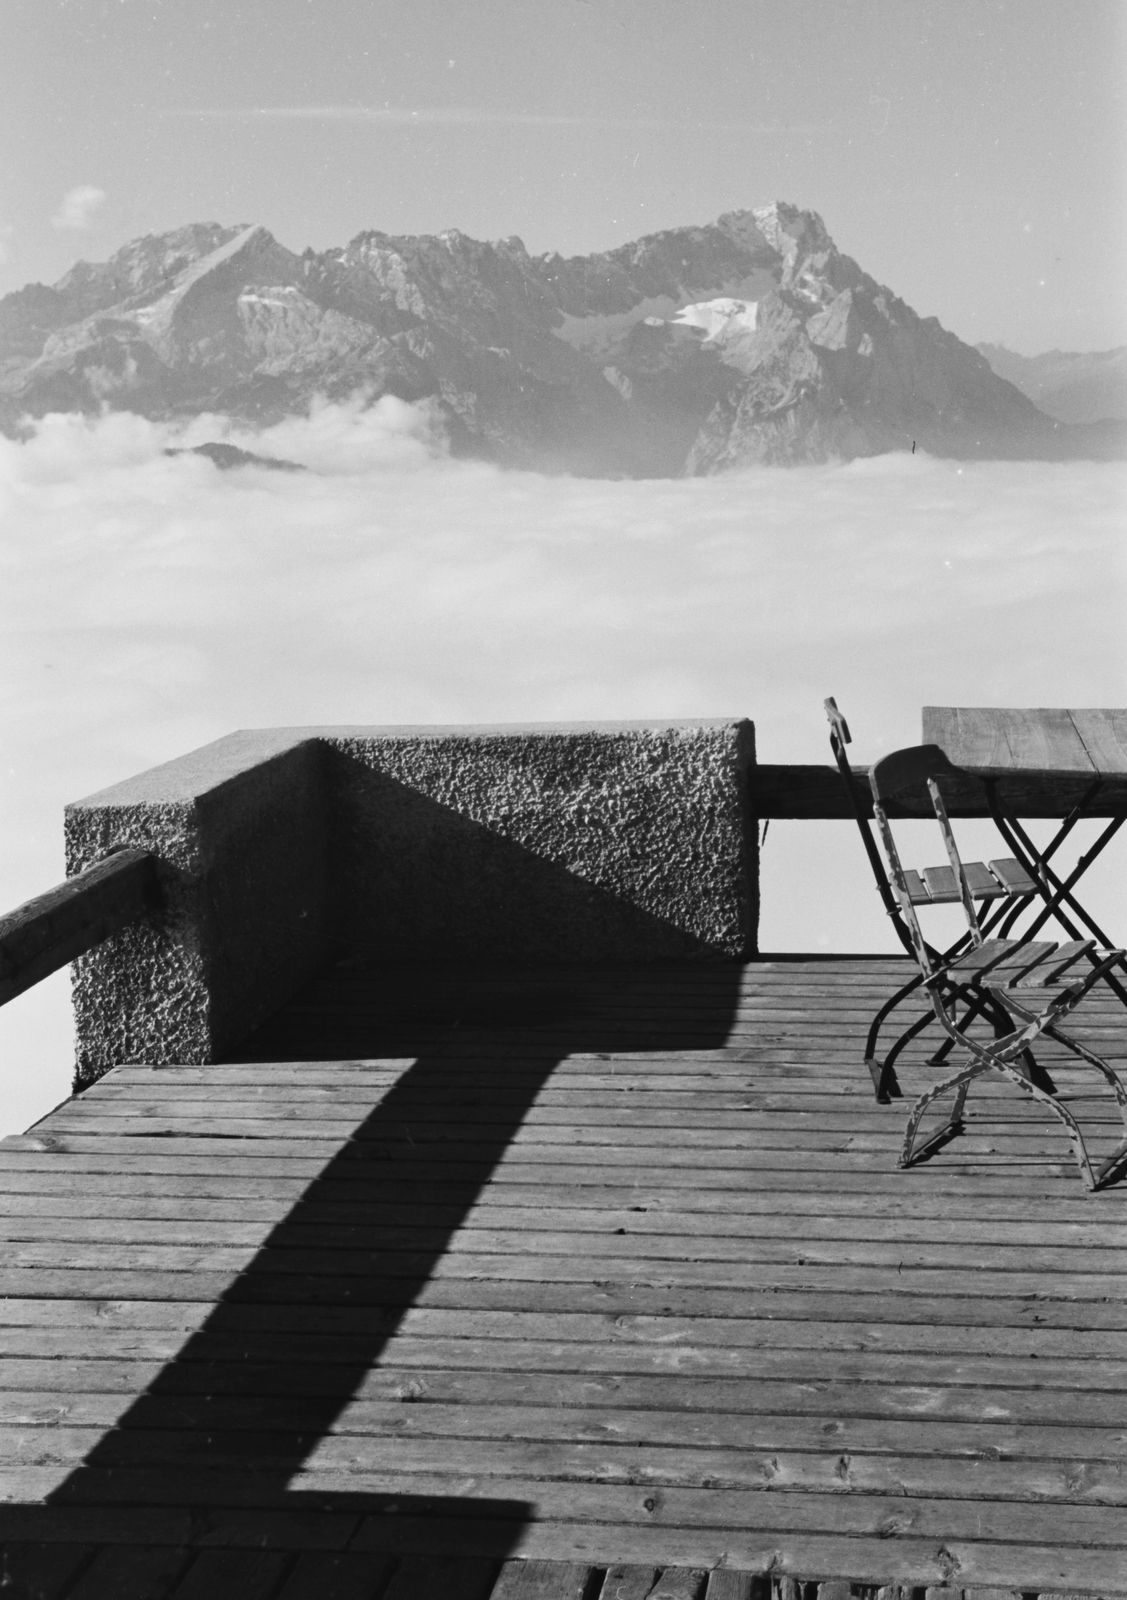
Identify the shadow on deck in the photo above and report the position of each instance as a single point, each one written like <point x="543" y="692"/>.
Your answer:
<point x="600" y="1268"/>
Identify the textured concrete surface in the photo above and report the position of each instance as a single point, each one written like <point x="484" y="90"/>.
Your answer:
<point x="240" y="830"/>
<point x="614" y="842"/>
<point x="281" y="848"/>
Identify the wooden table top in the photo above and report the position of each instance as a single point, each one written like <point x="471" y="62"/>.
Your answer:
<point x="1000" y="739"/>
<point x="1044" y="758"/>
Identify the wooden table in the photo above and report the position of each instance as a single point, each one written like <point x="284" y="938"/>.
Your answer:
<point x="1042" y="763"/>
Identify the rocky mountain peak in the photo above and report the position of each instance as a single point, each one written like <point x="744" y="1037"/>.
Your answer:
<point x="750" y="339"/>
<point x="143" y="267"/>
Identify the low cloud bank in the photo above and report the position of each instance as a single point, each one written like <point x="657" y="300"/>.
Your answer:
<point x="151" y="603"/>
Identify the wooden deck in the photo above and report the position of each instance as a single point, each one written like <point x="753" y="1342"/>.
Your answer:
<point x="549" y="1275"/>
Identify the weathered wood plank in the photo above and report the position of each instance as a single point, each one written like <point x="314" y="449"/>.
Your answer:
<point x="131" y="1569"/>
<point x="1104" y="736"/>
<point x="1075" y="1525"/>
<point x="294" y="1247"/>
<point x="154" y="1330"/>
<point x="41" y="1571"/>
<point x="627" y="1583"/>
<point x="891" y="1559"/>
<point x="45" y="933"/>
<point x="430" y="1578"/>
<point x="325" y="1294"/>
<point x="679" y="1583"/>
<point x="1021" y="1460"/>
<point x="506" y="1384"/>
<point x="241" y="1221"/>
<point x="724" y="1584"/>
<point x="806" y="792"/>
<point x="1008" y="739"/>
<point x="261" y="1362"/>
<point x="339" y="1575"/>
<point x="541" y="1580"/>
<point x="173" y="1459"/>
<point x="229" y="1575"/>
<point x="903" y="1269"/>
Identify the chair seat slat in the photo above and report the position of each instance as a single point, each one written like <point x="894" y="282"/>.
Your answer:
<point x="1052" y="968"/>
<point x="983" y="884"/>
<point x="1027" y="959"/>
<point x="987" y="954"/>
<point x="941" y="884"/>
<point x="1012" y="875"/>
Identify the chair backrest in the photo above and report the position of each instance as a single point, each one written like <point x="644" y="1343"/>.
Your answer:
<point x="839" y="738"/>
<point x="909" y="769"/>
<point x="919" y="767"/>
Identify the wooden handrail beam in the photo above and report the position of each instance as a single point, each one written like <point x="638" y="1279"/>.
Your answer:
<point x="46" y="933"/>
<point x="806" y="792"/>
<point x="812" y="792"/>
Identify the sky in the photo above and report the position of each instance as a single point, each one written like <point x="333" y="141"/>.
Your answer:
<point x="968" y="153"/>
<point x="149" y="604"/>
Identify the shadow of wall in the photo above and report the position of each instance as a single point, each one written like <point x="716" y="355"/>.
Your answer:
<point x="572" y="845"/>
<point x="218" y="1439"/>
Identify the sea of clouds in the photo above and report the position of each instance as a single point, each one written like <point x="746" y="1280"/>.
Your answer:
<point x="151" y="603"/>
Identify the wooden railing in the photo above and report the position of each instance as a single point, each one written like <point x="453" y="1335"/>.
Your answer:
<point x="53" y="929"/>
<point x="46" y="933"/>
<point x="56" y="927"/>
<point x="807" y="793"/>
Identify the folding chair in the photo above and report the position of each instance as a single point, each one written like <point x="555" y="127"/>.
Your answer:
<point x="1005" y="880"/>
<point x="1037" y="983"/>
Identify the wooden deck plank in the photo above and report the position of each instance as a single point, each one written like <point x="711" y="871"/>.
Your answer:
<point x="180" y="1223"/>
<point x="1007" y="1458"/>
<point x="428" y="1578"/>
<point x="229" y="1575"/>
<point x="162" y="1466"/>
<point x="669" y="1391"/>
<point x="141" y="1570"/>
<point x="153" y="1330"/>
<point x="541" y="1580"/>
<point x="628" y="1583"/>
<point x="42" y="1571"/>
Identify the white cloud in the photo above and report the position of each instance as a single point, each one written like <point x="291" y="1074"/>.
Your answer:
<point x="471" y="116"/>
<point x="7" y="232"/>
<point x="78" y="207"/>
<point x="148" y="604"/>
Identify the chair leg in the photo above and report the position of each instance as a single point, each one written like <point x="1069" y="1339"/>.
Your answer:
<point x="889" y="1006"/>
<point x="882" y="1073"/>
<point x="1004" y="1058"/>
<point x="1071" y="1127"/>
<point x="961" y="1081"/>
<point x="1118" y="1156"/>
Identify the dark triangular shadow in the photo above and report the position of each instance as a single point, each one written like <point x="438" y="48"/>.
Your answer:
<point x="229" y="1422"/>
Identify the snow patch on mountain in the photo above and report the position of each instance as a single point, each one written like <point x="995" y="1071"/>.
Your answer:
<point x="720" y="316"/>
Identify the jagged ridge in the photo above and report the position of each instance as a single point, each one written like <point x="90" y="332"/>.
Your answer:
<point x="750" y="340"/>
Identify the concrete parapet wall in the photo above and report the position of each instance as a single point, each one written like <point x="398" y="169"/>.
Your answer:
<point x="616" y="842"/>
<point x="240" y="830"/>
<point x="282" y="848"/>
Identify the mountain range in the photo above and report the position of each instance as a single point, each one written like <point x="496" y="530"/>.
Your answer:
<point x="1070" y="385"/>
<point x="750" y="340"/>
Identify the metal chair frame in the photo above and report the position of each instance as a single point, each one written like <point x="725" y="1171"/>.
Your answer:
<point x="882" y="1069"/>
<point x="965" y="976"/>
